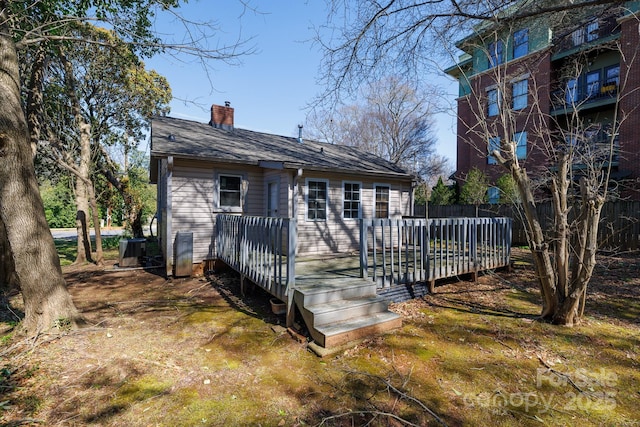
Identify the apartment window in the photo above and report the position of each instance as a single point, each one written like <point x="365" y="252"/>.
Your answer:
<point x="493" y="145"/>
<point x="520" y="43"/>
<point x="571" y="92"/>
<point x="317" y="200"/>
<point x="351" y="200"/>
<point x="382" y="201"/>
<point x="496" y="53"/>
<point x="593" y="83"/>
<point x="592" y="31"/>
<point x="493" y="194"/>
<point x="612" y="75"/>
<point x="493" y="103"/>
<point x="230" y="191"/>
<point x="519" y="94"/>
<point x="520" y="138"/>
<point x="577" y="37"/>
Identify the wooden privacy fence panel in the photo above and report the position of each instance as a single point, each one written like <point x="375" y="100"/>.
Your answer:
<point x="394" y="252"/>
<point x="619" y="223"/>
<point x="260" y="249"/>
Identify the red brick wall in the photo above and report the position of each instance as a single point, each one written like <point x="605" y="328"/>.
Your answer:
<point x="629" y="137"/>
<point x="472" y="140"/>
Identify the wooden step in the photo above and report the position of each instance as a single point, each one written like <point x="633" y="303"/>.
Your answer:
<point x="338" y="333"/>
<point x="345" y="309"/>
<point x="326" y="291"/>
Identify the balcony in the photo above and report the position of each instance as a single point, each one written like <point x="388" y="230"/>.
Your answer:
<point x="593" y="148"/>
<point x="586" y="36"/>
<point x="583" y="97"/>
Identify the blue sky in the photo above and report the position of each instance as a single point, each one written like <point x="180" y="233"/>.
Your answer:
<point x="270" y="89"/>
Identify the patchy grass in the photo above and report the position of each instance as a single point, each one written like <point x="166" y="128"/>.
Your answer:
<point x="68" y="248"/>
<point x="194" y="352"/>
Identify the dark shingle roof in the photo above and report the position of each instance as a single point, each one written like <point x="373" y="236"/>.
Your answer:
<point x="194" y="140"/>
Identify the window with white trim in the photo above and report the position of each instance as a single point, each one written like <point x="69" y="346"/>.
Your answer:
<point x="496" y="53"/>
<point x="382" y="193"/>
<point x="520" y="138"/>
<point x="317" y="197"/>
<point x="519" y="94"/>
<point x="351" y="207"/>
<point x="230" y="192"/>
<point x="493" y="145"/>
<point x="520" y="43"/>
<point x="493" y="194"/>
<point x="493" y="102"/>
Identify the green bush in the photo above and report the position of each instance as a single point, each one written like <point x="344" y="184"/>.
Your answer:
<point x="59" y="206"/>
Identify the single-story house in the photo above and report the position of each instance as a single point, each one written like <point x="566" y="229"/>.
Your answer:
<point x="202" y="170"/>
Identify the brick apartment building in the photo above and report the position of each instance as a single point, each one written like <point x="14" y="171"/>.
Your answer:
<point x="571" y="78"/>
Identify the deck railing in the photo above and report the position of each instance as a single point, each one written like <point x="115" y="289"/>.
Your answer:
<point x="261" y="249"/>
<point x="394" y="252"/>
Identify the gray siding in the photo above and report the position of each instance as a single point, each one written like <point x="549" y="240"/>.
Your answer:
<point x="336" y="234"/>
<point x="192" y="193"/>
<point x="192" y="206"/>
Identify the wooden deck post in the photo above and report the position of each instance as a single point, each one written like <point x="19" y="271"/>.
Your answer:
<point x="363" y="249"/>
<point x="292" y="245"/>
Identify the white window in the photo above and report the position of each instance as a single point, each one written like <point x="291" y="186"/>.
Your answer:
<point x="496" y="53"/>
<point x="494" y="144"/>
<point x="520" y="138"/>
<point x="351" y="200"/>
<point x="519" y="94"/>
<point x="381" y="207"/>
<point x="593" y="83"/>
<point x="317" y="198"/>
<point x="230" y="193"/>
<point x="520" y="43"/>
<point x="592" y="31"/>
<point x="493" y="102"/>
<point x="493" y="194"/>
<point x="612" y="75"/>
<point x="571" y="92"/>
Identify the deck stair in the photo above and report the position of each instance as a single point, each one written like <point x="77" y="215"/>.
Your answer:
<point x="338" y="310"/>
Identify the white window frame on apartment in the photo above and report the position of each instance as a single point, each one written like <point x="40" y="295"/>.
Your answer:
<point x="520" y="138"/>
<point x="219" y="190"/>
<point x="496" y="53"/>
<point x="358" y="211"/>
<point x="375" y="199"/>
<point x="306" y="198"/>
<point x="520" y="43"/>
<point x="493" y="101"/>
<point x="492" y="145"/>
<point x="493" y="195"/>
<point x="571" y="92"/>
<point x="519" y="99"/>
<point x="592" y="85"/>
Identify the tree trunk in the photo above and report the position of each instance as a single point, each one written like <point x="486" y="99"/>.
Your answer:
<point x="99" y="259"/>
<point x="83" y="179"/>
<point x="46" y="299"/>
<point x="8" y="280"/>
<point x="539" y="248"/>
<point x="35" y="97"/>
<point x="82" y="227"/>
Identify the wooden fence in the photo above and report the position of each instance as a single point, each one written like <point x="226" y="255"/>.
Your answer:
<point x="619" y="225"/>
<point x="260" y="249"/>
<point x="394" y="252"/>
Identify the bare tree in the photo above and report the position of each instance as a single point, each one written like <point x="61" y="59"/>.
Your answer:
<point x="395" y="121"/>
<point x="565" y="157"/>
<point x="25" y="24"/>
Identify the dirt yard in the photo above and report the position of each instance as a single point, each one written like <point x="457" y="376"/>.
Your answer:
<point x="158" y="352"/>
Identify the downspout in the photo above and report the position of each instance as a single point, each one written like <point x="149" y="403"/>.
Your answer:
<point x="168" y="247"/>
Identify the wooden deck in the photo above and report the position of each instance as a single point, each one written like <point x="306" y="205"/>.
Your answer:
<point x="343" y="297"/>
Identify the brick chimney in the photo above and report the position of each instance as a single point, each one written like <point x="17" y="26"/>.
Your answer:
<point x="222" y="117"/>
